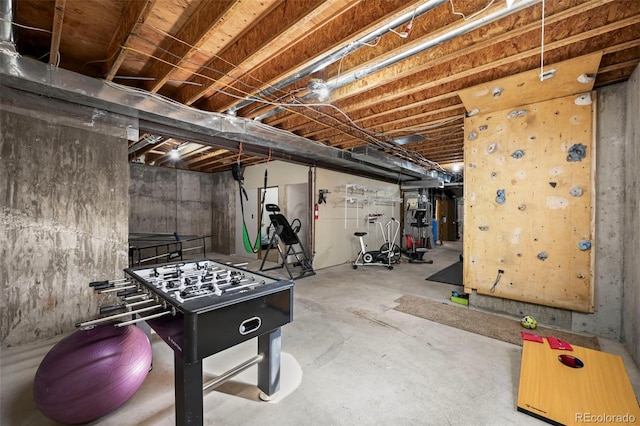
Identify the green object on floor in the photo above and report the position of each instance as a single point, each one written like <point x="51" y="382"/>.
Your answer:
<point x="460" y="300"/>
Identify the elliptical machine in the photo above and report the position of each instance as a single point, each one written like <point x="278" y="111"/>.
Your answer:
<point x="389" y="252"/>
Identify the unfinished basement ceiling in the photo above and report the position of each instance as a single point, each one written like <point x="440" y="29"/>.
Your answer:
<point x="394" y="68"/>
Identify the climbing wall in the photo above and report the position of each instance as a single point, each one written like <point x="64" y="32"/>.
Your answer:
<point x="529" y="191"/>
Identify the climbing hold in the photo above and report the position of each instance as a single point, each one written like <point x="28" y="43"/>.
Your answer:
<point x="584" y="99"/>
<point x="494" y="175"/>
<point x="500" y="199"/>
<point x="483" y="228"/>
<point x="497" y="92"/>
<point x="577" y="152"/>
<point x="518" y="154"/>
<point x="586" y="78"/>
<point x="584" y="245"/>
<point x="522" y="207"/>
<point x="548" y="74"/>
<point x="491" y="148"/>
<point x="576" y="191"/>
<point x="483" y="127"/>
<point x="542" y="255"/>
<point x="473" y="135"/>
<point x="553" y="184"/>
<point x="517" y="113"/>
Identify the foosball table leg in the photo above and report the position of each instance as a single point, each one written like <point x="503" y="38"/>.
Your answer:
<point x="188" y="392"/>
<point x="269" y="345"/>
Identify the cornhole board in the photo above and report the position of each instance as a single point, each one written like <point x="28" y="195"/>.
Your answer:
<point x="600" y="392"/>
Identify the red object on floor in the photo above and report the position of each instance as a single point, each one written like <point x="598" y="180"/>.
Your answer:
<point x="532" y="337"/>
<point x="558" y="344"/>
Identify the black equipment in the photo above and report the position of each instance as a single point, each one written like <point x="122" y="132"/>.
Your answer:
<point x="418" y="217"/>
<point x="200" y="308"/>
<point x="293" y="255"/>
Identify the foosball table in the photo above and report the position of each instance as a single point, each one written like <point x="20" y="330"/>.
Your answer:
<point x="200" y="308"/>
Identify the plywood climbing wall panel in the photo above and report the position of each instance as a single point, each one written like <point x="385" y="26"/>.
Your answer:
<point x="529" y="203"/>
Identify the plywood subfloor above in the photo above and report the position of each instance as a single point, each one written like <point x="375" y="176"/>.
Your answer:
<point x="564" y="78"/>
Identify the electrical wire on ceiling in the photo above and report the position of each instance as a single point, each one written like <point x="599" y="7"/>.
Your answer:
<point x="372" y="137"/>
<point x="26" y="26"/>
<point x="199" y="50"/>
<point x="407" y="29"/>
<point x="542" y="45"/>
<point x="473" y="15"/>
<point x="296" y="102"/>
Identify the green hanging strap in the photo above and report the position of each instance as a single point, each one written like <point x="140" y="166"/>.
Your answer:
<point x="237" y="175"/>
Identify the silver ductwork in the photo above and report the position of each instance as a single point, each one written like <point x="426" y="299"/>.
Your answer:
<point x="144" y="142"/>
<point x="348" y="78"/>
<point x="7" y="42"/>
<point x="220" y="130"/>
<point x="324" y="62"/>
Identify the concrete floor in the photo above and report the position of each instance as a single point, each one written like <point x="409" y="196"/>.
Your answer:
<point x="347" y="358"/>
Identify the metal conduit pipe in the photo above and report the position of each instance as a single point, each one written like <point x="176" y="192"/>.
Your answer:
<point x="342" y="52"/>
<point x="348" y="78"/>
<point x="7" y="42"/>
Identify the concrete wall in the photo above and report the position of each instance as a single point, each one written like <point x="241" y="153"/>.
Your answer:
<point x="609" y="222"/>
<point x="153" y="192"/>
<point x="631" y="236"/>
<point x="164" y="201"/>
<point x="223" y="213"/>
<point x="170" y="200"/>
<point x="63" y="220"/>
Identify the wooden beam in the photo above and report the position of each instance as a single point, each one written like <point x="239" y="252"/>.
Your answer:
<point x="134" y="15"/>
<point x="213" y="153"/>
<point x="56" y="32"/>
<point x="445" y="58"/>
<point x="257" y="46"/>
<point x="457" y="77"/>
<point x="208" y="31"/>
<point x="335" y="26"/>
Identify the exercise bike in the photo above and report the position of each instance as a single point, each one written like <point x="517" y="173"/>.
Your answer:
<point x="389" y="252"/>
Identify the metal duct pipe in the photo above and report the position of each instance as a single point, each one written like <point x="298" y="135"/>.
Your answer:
<point x="348" y="78"/>
<point x="146" y="141"/>
<point x="19" y="75"/>
<point x="346" y="50"/>
<point x="7" y="43"/>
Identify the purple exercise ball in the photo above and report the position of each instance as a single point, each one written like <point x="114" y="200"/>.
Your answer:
<point x="92" y="372"/>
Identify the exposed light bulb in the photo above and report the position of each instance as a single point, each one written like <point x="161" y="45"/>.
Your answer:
<point x="174" y="153"/>
<point x="319" y="88"/>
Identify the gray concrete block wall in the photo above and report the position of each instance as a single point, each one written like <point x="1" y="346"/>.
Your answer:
<point x="223" y="213"/>
<point x="631" y="301"/>
<point x="153" y="192"/>
<point x="63" y="218"/>
<point x="164" y="201"/>
<point x="611" y="119"/>
<point x="193" y="209"/>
